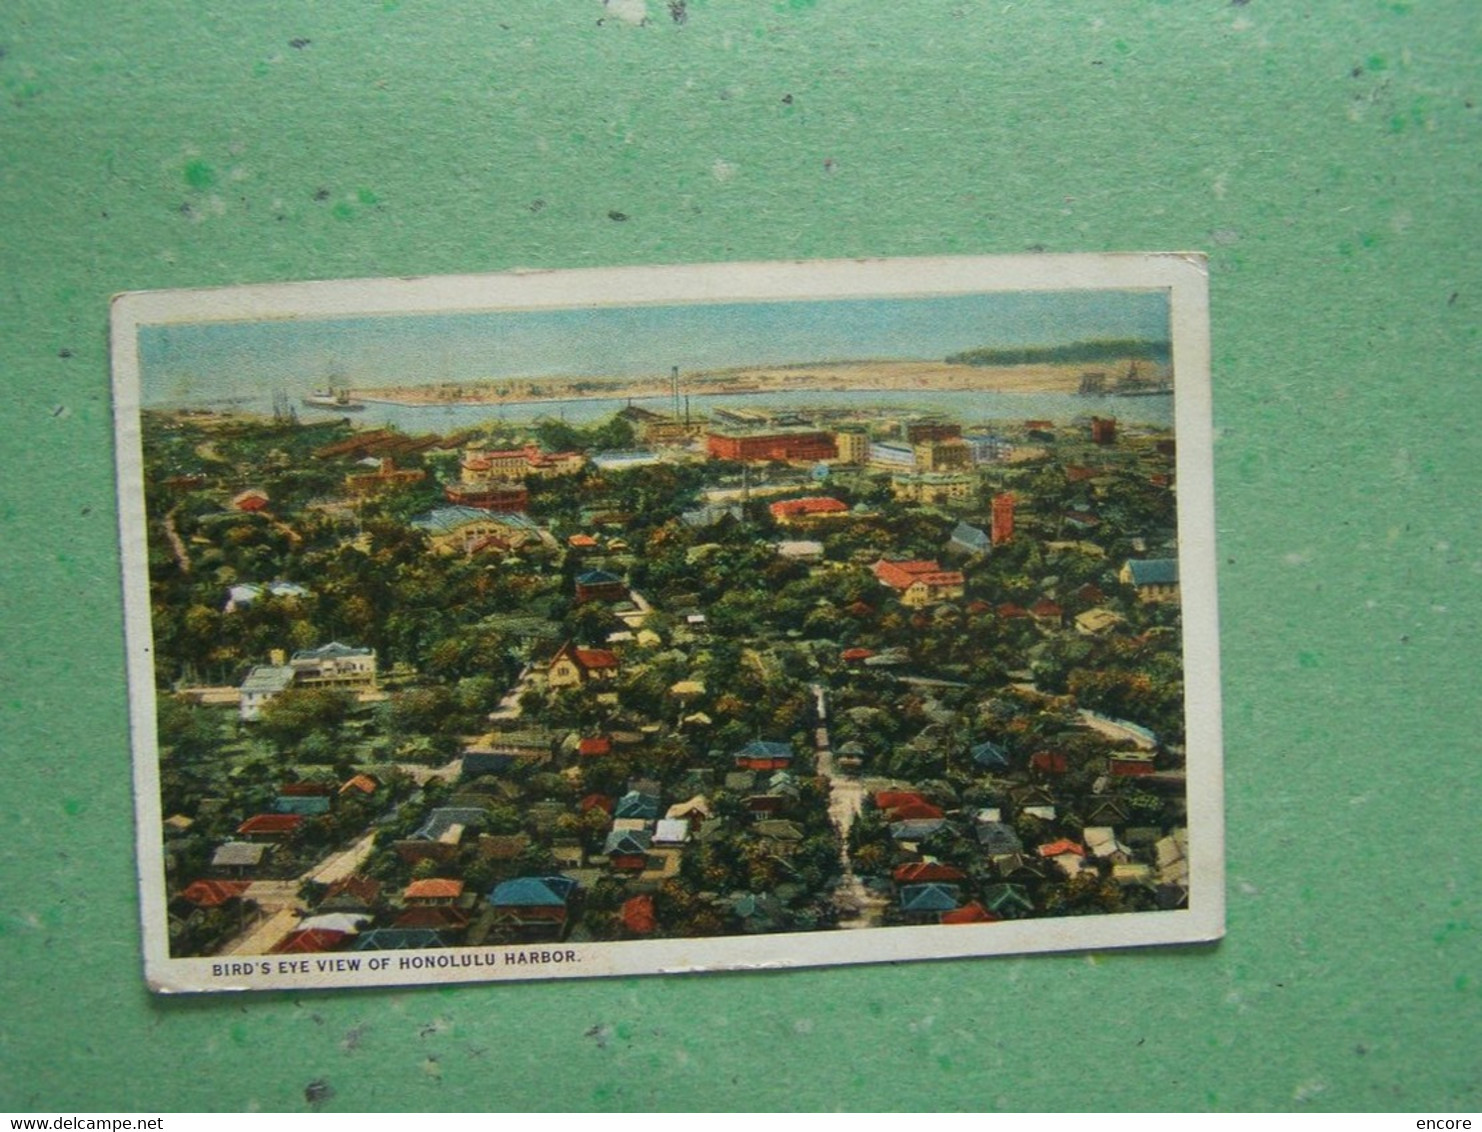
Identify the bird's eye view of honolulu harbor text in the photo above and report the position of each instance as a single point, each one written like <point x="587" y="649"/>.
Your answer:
<point x="533" y="629"/>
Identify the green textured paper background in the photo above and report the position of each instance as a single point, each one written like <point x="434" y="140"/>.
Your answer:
<point x="1327" y="157"/>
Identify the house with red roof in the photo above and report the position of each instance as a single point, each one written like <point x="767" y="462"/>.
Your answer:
<point x="927" y="872"/>
<point x="594" y="746"/>
<point x="270" y="827"/>
<point x="1049" y="762"/>
<point x="433" y="917"/>
<point x="971" y="913"/>
<point x="352" y="894"/>
<point x="809" y="509"/>
<point x="309" y="942"/>
<point x="362" y="784"/>
<point x="572" y="666"/>
<point x="214" y="893"/>
<point x="432" y="891"/>
<point x="914" y="811"/>
<point x="891" y="799"/>
<point x="638" y="915"/>
<point x="1060" y="848"/>
<point x="920" y="582"/>
<point x="253" y="499"/>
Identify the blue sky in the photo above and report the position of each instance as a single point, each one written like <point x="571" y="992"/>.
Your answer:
<point x="211" y="361"/>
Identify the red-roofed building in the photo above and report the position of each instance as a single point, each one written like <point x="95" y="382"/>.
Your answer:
<point x="891" y="799"/>
<point x="1060" y="848"/>
<point x="386" y="477"/>
<point x="1003" y="519"/>
<point x="919" y="582"/>
<point x="488" y="496"/>
<point x="306" y="790"/>
<point x="1047" y="611"/>
<point x="796" y="512"/>
<point x="433" y="890"/>
<point x="790" y="447"/>
<point x="308" y="942"/>
<point x="594" y="747"/>
<point x="1049" y="762"/>
<point x="572" y="667"/>
<point x="352" y="894"/>
<point x="360" y="784"/>
<point x="213" y="893"/>
<point x="435" y="917"/>
<point x="638" y="915"/>
<point x="514" y="464"/>
<point x="270" y="827"/>
<point x="582" y="542"/>
<point x="250" y="500"/>
<point x="972" y="913"/>
<point x="854" y="656"/>
<point x="1131" y="764"/>
<point x="914" y="811"/>
<point x="927" y="872"/>
<point x="601" y="802"/>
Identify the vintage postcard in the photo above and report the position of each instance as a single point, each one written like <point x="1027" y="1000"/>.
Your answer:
<point x="679" y="619"/>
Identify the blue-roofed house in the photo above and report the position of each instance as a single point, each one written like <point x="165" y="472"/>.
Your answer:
<point x="599" y="585"/>
<point x="1155" y="579"/>
<point x="928" y="901"/>
<point x="967" y="539"/>
<point x="532" y="907"/>
<point x="988" y="755"/>
<point x="398" y="939"/>
<point x="761" y="754"/>
<point x="304" y="805"/>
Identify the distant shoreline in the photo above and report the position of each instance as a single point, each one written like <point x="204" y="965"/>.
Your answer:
<point x="832" y="377"/>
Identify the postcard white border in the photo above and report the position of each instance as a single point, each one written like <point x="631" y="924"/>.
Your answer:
<point x="1182" y="275"/>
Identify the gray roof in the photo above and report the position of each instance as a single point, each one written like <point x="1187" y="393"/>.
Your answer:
<point x="636" y="805"/>
<point x="918" y="829"/>
<point x="238" y="853"/>
<point x="332" y="651"/>
<point x="440" y="820"/>
<point x="998" y="837"/>
<point x="970" y="537"/>
<point x="710" y="514"/>
<point x="445" y="520"/>
<point x="268" y="678"/>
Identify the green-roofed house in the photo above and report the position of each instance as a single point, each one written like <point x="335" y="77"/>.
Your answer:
<point x="1155" y="579"/>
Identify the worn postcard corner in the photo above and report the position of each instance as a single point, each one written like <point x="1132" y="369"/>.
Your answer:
<point x="655" y="620"/>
